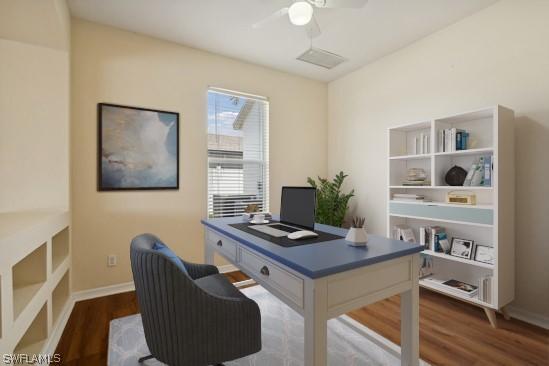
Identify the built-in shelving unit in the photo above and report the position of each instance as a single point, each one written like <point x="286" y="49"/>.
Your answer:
<point x="34" y="279"/>
<point x="490" y="222"/>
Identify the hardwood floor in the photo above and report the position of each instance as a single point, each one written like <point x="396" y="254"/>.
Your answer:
<point x="451" y="332"/>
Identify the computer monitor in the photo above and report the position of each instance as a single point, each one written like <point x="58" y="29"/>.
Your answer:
<point x="297" y="206"/>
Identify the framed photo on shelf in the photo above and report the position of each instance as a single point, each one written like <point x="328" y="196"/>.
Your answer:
<point x="462" y="248"/>
<point x="484" y="254"/>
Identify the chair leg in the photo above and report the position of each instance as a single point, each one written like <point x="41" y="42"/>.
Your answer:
<point x="142" y="359"/>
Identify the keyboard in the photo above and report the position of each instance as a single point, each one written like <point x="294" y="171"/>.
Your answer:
<point x="284" y="228"/>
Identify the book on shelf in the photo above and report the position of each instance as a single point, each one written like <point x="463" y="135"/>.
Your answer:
<point x="453" y="286"/>
<point x="422" y="144"/>
<point x="438" y="240"/>
<point x="408" y="196"/>
<point x="425" y="265"/>
<point x="419" y="183"/>
<point x="424" y="236"/>
<point x="480" y="173"/>
<point x="452" y="139"/>
<point x="404" y="232"/>
<point x="404" y="197"/>
<point x="485" y="289"/>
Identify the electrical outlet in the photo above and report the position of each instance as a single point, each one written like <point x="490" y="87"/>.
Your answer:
<point x="111" y="260"/>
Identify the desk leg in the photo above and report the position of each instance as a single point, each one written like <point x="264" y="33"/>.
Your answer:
<point x="316" y="326"/>
<point x="208" y="254"/>
<point x="409" y="320"/>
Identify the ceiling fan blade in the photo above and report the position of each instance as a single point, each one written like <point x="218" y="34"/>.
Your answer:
<point x="274" y="16"/>
<point x="340" y="3"/>
<point x="313" y="29"/>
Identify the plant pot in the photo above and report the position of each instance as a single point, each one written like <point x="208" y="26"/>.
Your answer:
<point x="357" y="237"/>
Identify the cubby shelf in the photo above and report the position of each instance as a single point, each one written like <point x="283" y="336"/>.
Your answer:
<point x="60" y="248"/>
<point x="35" y="336"/>
<point x="489" y="223"/>
<point x="29" y="275"/>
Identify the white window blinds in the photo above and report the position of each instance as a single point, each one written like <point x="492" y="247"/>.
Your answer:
<point x="238" y="142"/>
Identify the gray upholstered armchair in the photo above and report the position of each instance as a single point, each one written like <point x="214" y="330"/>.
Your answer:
<point x="192" y="315"/>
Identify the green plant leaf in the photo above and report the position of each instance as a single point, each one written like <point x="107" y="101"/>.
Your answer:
<point x="332" y="205"/>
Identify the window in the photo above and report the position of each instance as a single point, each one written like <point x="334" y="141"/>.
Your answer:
<point x="238" y="152"/>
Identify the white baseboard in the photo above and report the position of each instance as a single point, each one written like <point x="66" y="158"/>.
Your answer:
<point x="103" y="291"/>
<point x="528" y="317"/>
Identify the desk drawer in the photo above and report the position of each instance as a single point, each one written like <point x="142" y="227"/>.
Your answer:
<point x="269" y="274"/>
<point x="224" y="245"/>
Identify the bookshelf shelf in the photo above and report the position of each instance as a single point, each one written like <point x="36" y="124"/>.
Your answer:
<point x="464" y="188"/>
<point x="453" y="188"/>
<point x="458" y="259"/>
<point x="483" y="151"/>
<point x="410" y="187"/>
<point x="490" y="136"/>
<point x="438" y="220"/>
<point x="472" y="300"/>
<point x="444" y="204"/>
<point x="411" y="157"/>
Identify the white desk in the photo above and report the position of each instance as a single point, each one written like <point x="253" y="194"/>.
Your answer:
<point x="325" y="280"/>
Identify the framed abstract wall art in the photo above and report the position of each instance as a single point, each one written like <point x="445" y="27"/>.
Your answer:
<point x="138" y="148"/>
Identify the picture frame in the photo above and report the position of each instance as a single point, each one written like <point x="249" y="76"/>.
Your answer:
<point x="462" y="248"/>
<point x="485" y="254"/>
<point x="137" y="148"/>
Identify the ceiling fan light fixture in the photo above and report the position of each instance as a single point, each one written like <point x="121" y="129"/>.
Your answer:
<point x="300" y="13"/>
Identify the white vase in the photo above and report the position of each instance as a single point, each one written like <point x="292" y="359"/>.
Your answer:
<point x="357" y="237"/>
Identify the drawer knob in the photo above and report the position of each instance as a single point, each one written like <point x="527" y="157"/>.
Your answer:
<point x="219" y="243"/>
<point x="264" y="271"/>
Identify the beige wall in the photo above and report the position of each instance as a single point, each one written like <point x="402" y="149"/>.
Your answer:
<point x="34" y="105"/>
<point x="499" y="55"/>
<point x="109" y="65"/>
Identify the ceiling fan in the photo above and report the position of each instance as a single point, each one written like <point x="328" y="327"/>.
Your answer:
<point x="301" y="13"/>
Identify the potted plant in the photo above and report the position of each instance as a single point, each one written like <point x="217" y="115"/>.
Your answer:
<point x="357" y="235"/>
<point x="331" y="203"/>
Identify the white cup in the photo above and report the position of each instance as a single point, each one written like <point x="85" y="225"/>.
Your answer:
<point x="258" y="218"/>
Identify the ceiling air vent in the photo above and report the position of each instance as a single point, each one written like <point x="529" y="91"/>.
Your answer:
<point x="321" y="58"/>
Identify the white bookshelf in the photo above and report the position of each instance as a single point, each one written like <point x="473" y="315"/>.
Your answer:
<point x="34" y="280"/>
<point x="490" y="222"/>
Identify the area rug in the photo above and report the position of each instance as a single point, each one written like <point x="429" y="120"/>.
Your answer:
<point x="349" y="342"/>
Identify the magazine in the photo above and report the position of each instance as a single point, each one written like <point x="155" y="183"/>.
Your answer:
<point x="461" y="287"/>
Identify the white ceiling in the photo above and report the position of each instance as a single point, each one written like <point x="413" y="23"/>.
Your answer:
<point x="224" y="27"/>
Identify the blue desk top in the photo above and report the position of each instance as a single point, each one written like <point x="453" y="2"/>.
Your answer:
<point x="320" y="259"/>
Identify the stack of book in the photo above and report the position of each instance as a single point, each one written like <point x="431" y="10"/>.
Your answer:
<point x="405" y="197"/>
<point x="452" y="139"/>
<point x="416" y="177"/>
<point x="480" y="174"/>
